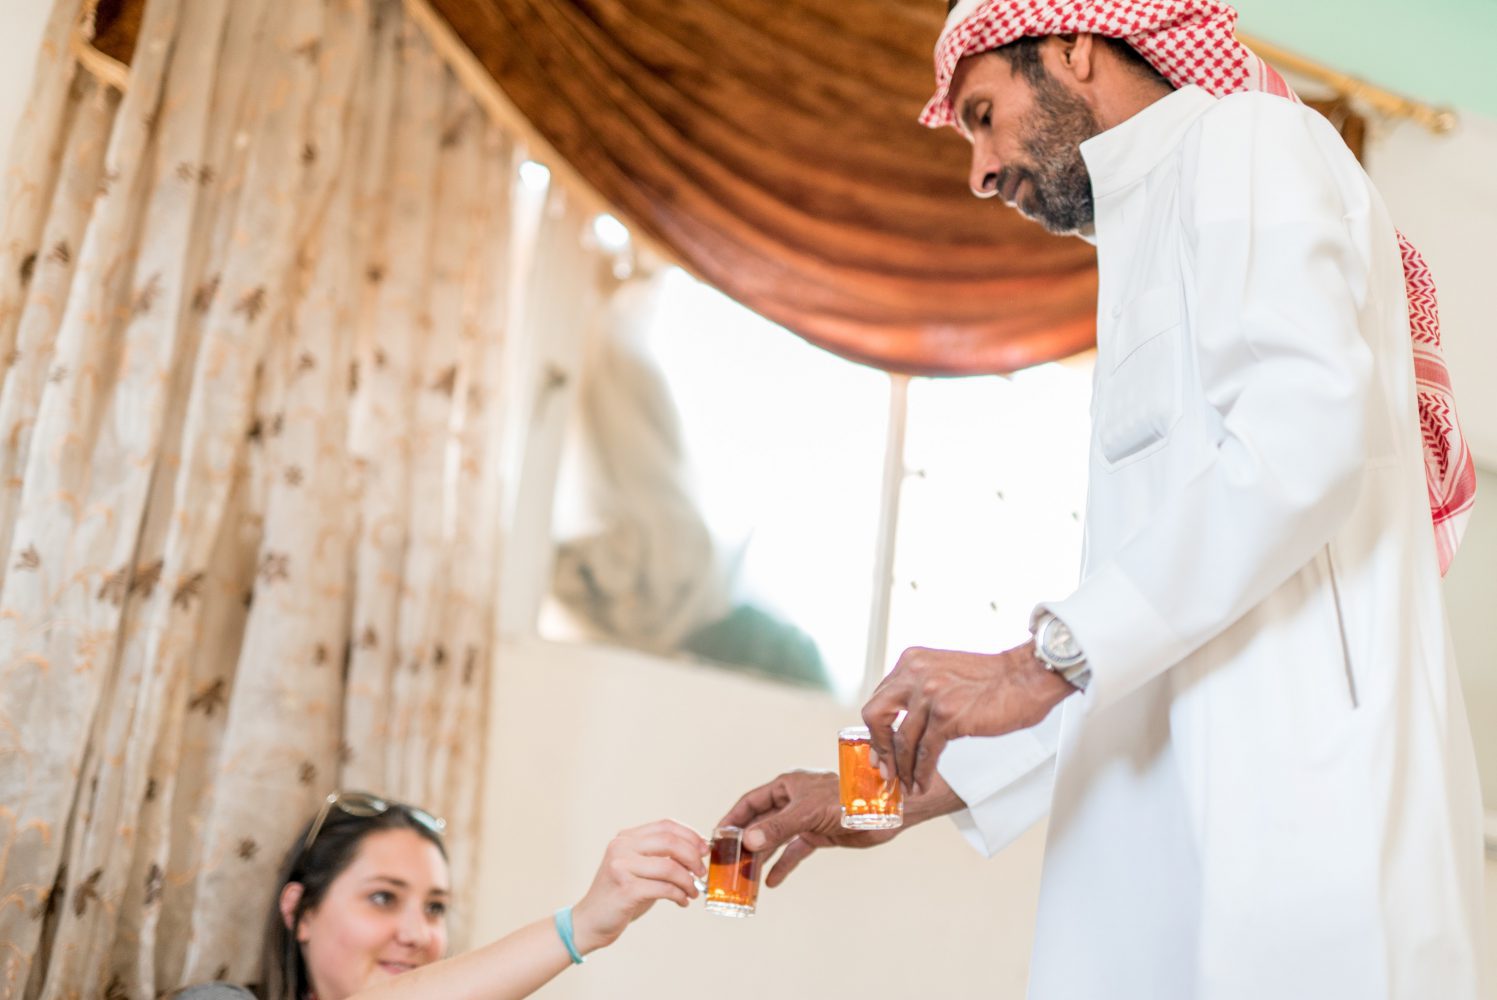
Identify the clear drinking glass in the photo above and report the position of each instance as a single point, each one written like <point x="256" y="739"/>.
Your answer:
<point x="732" y="874"/>
<point x="868" y="802"/>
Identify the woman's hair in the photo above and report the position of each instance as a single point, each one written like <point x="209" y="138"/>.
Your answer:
<point x="283" y="972"/>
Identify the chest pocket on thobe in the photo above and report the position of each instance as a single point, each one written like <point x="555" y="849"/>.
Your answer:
<point x="1141" y="398"/>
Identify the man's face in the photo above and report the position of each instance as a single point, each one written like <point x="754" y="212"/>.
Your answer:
<point x="1026" y="141"/>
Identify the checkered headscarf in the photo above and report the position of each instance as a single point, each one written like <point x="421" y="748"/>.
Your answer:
<point x="1192" y="42"/>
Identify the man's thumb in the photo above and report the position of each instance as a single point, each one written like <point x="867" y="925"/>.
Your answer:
<point x="762" y="835"/>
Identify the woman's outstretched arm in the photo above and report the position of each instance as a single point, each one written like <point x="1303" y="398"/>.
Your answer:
<point x="640" y="867"/>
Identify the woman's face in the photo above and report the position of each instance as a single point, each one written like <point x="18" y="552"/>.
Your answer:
<point x="385" y="914"/>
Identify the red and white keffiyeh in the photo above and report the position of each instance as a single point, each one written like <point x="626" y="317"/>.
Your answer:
<point x="1193" y="42"/>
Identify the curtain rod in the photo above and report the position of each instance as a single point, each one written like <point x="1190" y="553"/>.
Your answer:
<point x="106" y="68"/>
<point x="457" y="55"/>
<point x="1437" y="119"/>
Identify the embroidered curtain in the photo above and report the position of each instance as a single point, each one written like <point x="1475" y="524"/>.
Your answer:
<point x="252" y="319"/>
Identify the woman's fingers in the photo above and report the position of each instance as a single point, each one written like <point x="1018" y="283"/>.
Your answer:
<point x="666" y="827"/>
<point x="653" y="878"/>
<point x="684" y="848"/>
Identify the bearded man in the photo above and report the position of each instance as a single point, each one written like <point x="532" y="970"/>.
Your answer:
<point x="1259" y="779"/>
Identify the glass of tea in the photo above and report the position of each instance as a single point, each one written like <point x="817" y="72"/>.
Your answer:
<point x="868" y="801"/>
<point x="732" y="874"/>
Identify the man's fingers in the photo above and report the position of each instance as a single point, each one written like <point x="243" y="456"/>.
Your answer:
<point x="926" y="760"/>
<point x="879" y="715"/>
<point x="770" y="833"/>
<point x="907" y="742"/>
<point x="754" y="804"/>
<point x="794" y="853"/>
<point x="801" y="815"/>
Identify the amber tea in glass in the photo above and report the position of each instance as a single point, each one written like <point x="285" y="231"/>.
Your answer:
<point x="732" y="874"/>
<point x="868" y="802"/>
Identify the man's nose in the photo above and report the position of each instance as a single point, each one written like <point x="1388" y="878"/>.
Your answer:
<point x="984" y="177"/>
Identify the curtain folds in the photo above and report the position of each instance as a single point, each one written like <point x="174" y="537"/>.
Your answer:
<point x="253" y="315"/>
<point x="773" y="148"/>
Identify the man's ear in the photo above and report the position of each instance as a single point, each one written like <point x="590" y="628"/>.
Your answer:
<point x="291" y="894"/>
<point x="1077" y="55"/>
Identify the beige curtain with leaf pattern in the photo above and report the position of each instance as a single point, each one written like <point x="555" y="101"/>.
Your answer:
<point x="252" y="321"/>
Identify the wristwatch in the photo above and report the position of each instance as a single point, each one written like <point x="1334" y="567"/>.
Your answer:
<point x="1058" y="649"/>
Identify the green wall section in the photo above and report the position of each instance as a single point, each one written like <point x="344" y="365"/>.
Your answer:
<point x="1441" y="51"/>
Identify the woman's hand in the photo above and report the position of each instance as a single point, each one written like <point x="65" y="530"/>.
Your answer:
<point x="642" y="865"/>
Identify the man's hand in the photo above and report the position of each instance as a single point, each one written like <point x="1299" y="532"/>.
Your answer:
<point x="803" y="811"/>
<point x="947" y="694"/>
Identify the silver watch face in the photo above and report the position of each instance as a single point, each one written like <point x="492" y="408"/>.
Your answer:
<point x="1058" y="644"/>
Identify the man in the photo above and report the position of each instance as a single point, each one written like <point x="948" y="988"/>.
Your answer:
<point x="1260" y="782"/>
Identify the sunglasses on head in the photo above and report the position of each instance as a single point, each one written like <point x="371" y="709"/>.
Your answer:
<point x="367" y="806"/>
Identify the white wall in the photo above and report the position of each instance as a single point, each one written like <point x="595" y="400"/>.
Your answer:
<point x="1442" y="192"/>
<point x="1491" y="983"/>
<point x="1470" y="600"/>
<point x="587" y="741"/>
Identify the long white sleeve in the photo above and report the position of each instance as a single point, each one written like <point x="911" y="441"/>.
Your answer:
<point x="1004" y="780"/>
<point x="1278" y="278"/>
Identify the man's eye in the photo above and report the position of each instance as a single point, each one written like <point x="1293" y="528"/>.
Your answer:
<point x="986" y="118"/>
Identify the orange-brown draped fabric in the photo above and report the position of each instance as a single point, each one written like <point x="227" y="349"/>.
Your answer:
<point x="773" y="147"/>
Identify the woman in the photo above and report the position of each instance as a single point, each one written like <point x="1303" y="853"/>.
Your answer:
<point x="361" y="910"/>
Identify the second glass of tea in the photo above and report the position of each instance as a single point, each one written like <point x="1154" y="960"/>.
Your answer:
<point x="868" y="801"/>
<point x="732" y="875"/>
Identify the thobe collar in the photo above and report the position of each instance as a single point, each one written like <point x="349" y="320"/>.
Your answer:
<point x="1125" y="153"/>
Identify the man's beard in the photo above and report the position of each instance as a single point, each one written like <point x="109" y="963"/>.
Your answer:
<point x="1060" y="189"/>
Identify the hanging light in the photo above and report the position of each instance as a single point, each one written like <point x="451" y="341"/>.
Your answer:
<point x="611" y="234"/>
<point x="534" y="175"/>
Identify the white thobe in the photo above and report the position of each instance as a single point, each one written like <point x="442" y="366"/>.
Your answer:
<point x="1268" y="790"/>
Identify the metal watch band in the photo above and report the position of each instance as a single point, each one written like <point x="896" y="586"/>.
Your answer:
<point x="1057" y="649"/>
